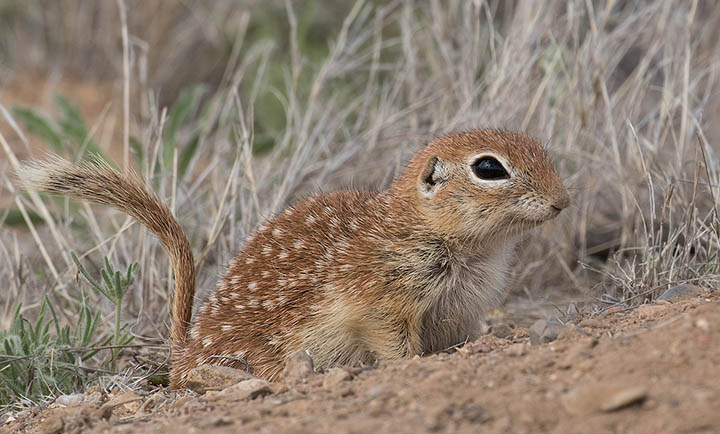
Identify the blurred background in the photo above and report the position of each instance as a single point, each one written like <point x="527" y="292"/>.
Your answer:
<point x="234" y="109"/>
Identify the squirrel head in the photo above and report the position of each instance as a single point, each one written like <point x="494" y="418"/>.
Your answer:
<point x="483" y="184"/>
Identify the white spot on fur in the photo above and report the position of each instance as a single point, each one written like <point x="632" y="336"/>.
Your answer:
<point x="277" y="232"/>
<point x="289" y="211"/>
<point x="239" y="306"/>
<point x="266" y="250"/>
<point x="252" y="286"/>
<point x="346" y="267"/>
<point x="265" y="273"/>
<point x="235" y="281"/>
<point x="253" y="303"/>
<point x="283" y="255"/>
<point x="195" y="331"/>
<point x="268" y="304"/>
<point x="310" y="219"/>
<point x="249" y="260"/>
<point x="334" y="222"/>
<point x="207" y="342"/>
<point x="299" y="244"/>
<point x="226" y="328"/>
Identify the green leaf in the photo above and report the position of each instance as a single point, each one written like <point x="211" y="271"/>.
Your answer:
<point x="187" y="155"/>
<point x="39" y="126"/>
<point x="73" y="125"/>
<point x="137" y="151"/>
<point x="184" y="105"/>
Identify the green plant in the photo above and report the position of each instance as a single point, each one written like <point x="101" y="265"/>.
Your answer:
<point x="114" y="286"/>
<point x="35" y="362"/>
<point x="68" y="130"/>
<point x="40" y="358"/>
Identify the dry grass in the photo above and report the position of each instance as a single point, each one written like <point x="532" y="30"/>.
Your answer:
<point x="623" y="93"/>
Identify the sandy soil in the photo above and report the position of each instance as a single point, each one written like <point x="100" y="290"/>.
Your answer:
<point x="652" y="369"/>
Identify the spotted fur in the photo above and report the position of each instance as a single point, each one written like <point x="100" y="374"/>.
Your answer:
<point x="351" y="276"/>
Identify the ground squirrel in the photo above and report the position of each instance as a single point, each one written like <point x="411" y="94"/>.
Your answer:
<point x="352" y="276"/>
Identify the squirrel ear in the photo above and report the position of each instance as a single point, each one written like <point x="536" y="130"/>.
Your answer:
<point x="434" y="176"/>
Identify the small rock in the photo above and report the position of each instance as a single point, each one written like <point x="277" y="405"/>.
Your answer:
<point x="244" y="390"/>
<point x="502" y="330"/>
<point x="299" y="365"/>
<point x="623" y="398"/>
<point x="599" y="397"/>
<point x="335" y="376"/>
<point x="72" y="399"/>
<point x="517" y="350"/>
<point x="702" y="324"/>
<point x="650" y="310"/>
<point x="685" y="290"/>
<point x="211" y="377"/>
<point x="543" y="332"/>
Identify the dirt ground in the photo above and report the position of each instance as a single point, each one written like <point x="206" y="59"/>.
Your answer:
<point x="654" y="369"/>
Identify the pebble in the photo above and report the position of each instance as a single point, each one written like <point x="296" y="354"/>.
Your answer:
<point x="244" y="390"/>
<point x="623" y="398"/>
<point x="210" y="377"/>
<point x="543" y="331"/>
<point x="72" y="399"/>
<point x="603" y="397"/>
<point x="298" y="366"/>
<point x="702" y="324"/>
<point x="335" y="376"/>
<point x="685" y="290"/>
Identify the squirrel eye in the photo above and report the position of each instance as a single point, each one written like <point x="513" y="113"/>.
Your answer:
<point x="489" y="169"/>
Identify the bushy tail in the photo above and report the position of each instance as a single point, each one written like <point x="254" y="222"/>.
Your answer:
<point x="97" y="182"/>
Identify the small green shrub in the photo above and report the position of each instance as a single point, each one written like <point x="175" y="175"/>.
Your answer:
<point x="43" y="358"/>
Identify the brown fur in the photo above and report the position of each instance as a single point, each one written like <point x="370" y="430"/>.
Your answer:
<point x="351" y="276"/>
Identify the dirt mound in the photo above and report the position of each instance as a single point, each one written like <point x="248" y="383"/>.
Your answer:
<point x="652" y="369"/>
